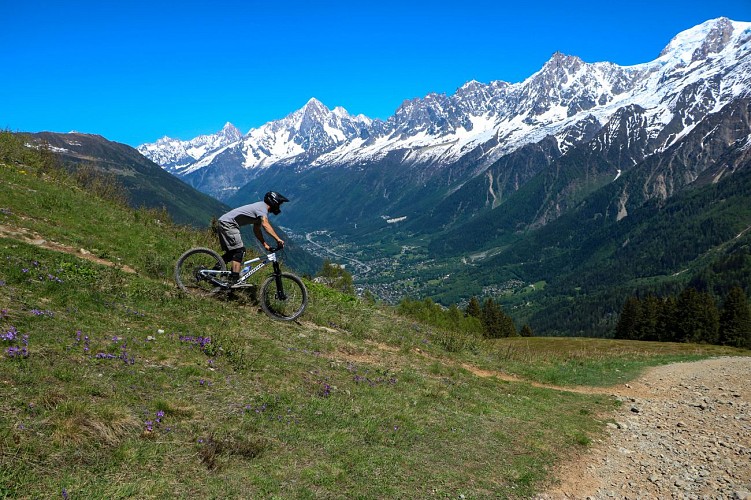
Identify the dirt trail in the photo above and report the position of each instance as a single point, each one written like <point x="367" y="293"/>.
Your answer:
<point x="33" y="238"/>
<point x="683" y="431"/>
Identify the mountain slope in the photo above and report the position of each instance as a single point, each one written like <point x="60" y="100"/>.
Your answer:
<point x="605" y="248"/>
<point x="146" y="183"/>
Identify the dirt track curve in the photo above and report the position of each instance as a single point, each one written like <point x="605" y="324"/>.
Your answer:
<point x="683" y="431"/>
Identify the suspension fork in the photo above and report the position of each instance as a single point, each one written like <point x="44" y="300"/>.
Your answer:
<point x="279" y="285"/>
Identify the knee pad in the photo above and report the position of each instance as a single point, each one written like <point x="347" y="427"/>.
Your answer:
<point x="237" y="254"/>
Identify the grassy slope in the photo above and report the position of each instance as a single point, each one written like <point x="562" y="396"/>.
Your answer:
<point x="352" y="401"/>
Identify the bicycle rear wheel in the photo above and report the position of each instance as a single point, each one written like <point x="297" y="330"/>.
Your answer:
<point x="286" y="304"/>
<point x="189" y="266"/>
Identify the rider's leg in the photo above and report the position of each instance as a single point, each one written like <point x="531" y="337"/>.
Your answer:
<point x="236" y="264"/>
<point x="232" y="244"/>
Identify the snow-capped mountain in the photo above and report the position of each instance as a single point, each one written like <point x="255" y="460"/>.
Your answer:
<point x="174" y="154"/>
<point x="305" y="134"/>
<point x="699" y="71"/>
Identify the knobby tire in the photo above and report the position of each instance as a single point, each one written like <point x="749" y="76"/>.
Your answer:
<point x="188" y="266"/>
<point x="294" y="303"/>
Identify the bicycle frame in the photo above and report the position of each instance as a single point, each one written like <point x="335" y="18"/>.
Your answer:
<point x="263" y="262"/>
<point x="210" y="274"/>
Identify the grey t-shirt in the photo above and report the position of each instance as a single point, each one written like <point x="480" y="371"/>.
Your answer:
<point x="246" y="214"/>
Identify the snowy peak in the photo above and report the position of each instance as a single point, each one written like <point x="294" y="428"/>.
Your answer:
<point x="230" y="133"/>
<point x="302" y="135"/>
<point x="174" y="154"/>
<point x="313" y="114"/>
<point x="706" y="39"/>
<point x="562" y="66"/>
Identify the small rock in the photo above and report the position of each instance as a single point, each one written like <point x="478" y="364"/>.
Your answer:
<point x="150" y="338"/>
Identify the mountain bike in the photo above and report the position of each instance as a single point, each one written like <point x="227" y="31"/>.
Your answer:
<point x="201" y="271"/>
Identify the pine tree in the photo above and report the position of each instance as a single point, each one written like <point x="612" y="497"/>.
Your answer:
<point x="697" y="318"/>
<point x="490" y="317"/>
<point x="646" y="324"/>
<point x="629" y="319"/>
<point x="735" y="320"/>
<point x="508" y="326"/>
<point x="666" y="320"/>
<point x="495" y="322"/>
<point x="711" y="320"/>
<point x="473" y="308"/>
<point x="526" y="331"/>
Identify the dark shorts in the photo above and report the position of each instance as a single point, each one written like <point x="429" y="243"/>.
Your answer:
<point x="229" y="236"/>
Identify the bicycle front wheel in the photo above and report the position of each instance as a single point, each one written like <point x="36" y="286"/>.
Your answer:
<point x="287" y="303"/>
<point x="188" y="267"/>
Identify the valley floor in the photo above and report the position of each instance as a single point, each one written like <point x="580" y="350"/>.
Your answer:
<point x="683" y="431"/>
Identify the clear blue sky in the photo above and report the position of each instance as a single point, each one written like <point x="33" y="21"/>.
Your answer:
<point x="134" y="71"/>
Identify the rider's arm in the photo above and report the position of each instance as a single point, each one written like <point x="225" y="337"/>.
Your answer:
<point x="270" y="230"/>
<point x="259" y="236"/>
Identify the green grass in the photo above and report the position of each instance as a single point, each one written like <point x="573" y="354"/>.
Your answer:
<point x="121" y="396"/>
<point x="592" y="362"/>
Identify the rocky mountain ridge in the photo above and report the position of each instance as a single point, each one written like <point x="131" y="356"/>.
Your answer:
<point x="697" y="73"/>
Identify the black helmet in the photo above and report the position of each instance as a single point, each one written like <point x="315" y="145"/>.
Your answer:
<point x="273" y="200"/>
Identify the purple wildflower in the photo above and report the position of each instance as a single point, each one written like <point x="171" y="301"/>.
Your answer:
<point x="39" y="312"/>
<point x="10" y="334"/>
<point x="202" y="342"/>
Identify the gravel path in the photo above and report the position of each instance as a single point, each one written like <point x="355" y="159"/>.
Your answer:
<point x="683" y="431"/>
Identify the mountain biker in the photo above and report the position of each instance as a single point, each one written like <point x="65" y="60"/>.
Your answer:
<point x="256" y="213"/>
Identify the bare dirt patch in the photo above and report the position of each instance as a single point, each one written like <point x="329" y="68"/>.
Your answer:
<point x="33" y="238"/>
